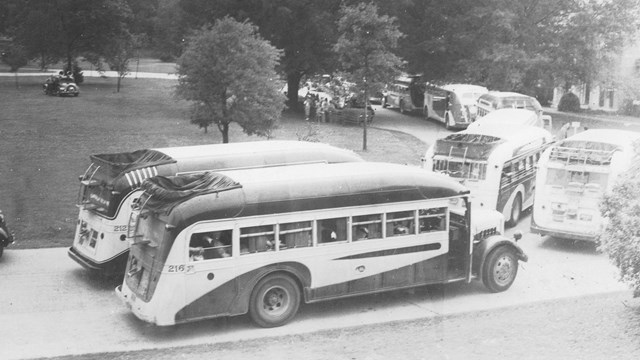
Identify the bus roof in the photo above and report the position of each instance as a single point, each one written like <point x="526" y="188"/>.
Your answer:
<point x="619" y="138"/>
<point x="465" y="88"/>
<point x="479" y="142"/>
<point x="225" y="156"/>
<point x="308" y="187"/>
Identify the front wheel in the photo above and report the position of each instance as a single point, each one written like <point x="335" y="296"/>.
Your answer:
<point x="274" y="301"/>
<point x="500" y="269"/>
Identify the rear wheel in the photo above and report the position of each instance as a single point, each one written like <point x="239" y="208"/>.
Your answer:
<point x="500" y="269"/>
<point x="516" y="211"/>
<point x="274" y="301"/>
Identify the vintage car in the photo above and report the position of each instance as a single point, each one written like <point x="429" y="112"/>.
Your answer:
<point x="6" y="238"/>
<point x="61" y="85"/>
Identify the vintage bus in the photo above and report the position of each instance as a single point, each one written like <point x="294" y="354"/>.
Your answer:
<point x="111" y="183"/>
<point x="573" y="175"/>
<point x="497" y="163"/>
<point x="454" y="105"/>
<point x="276" y="237"/>
<point x="406" y="93"/>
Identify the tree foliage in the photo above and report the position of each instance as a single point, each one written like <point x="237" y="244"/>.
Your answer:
<point x="228" y="72"/>
<point x="364" y="49"/>
<point x="621" y="237"/>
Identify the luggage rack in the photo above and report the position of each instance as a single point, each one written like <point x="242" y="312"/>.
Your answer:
<point x="580" y="156"/>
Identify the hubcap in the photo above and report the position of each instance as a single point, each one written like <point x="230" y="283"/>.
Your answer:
<point x="275" y="301"/>
<point x="503" y="270"/>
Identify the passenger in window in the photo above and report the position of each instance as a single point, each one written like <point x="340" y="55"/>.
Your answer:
<point x="400" y="229"/>
<point x="362" y="233"/>
<point x="210" y="245"/>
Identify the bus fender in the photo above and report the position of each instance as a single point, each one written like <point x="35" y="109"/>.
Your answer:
<point x="482" y="249"/>
<point x="297" y="271"/>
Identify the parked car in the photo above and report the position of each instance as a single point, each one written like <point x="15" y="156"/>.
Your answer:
<point x="495" y="100"/>
<point x="61" y="85"/>
<point x="6" y="238"/>
<point x="513" y="117"/>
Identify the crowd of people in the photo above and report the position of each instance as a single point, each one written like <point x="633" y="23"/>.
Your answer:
<point x="318" y="109"/>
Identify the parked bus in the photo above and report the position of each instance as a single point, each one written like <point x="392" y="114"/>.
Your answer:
<point x="262" y="241"/>
<point x="111" y="183"/>
<point x="497" y="163"/>
<point x="573" y="175"/>
<point x="454" y="105"/>
<point x="406" y="93"/>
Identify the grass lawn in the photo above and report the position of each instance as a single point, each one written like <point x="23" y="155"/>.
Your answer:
<point x="46" y="143"/>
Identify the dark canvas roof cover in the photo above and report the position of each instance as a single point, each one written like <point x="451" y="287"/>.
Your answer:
<point x="119" y="163"/>
<point x="162" y="193"/>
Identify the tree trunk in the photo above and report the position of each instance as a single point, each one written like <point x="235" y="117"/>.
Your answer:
<point x="293" y="86"/>
<point x="364" y="123"/>
<point x="118" y="84"/>
<point x="225" y="133"/>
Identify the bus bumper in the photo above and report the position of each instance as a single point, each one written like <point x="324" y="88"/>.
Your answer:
<point x="561" y="234"/>
<point x="113" y="266"/>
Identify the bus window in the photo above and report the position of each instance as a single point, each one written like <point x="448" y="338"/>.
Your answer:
<point x="331" y="230"/>
<point x="210" y="245"/>
<point x="366" y="227"/>
<point x="432" y="219"/>
<point x="400" y="223"/>
<point x="256" y="239"/>
<point x="295" y="235"/>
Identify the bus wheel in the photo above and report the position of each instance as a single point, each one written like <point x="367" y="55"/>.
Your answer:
<point x="516" y="211"/>
<point x="500" y="269"/>
<point x="274" y="301"/>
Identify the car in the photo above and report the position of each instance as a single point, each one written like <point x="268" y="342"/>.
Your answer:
<point x="495" y="100"/>
<point x="515" y="117"/>
<point x="61" y="85"/>
<point x="6" y="237"/>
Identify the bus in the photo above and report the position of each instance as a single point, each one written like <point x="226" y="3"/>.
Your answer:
<point x="406" y="93"/>
<point x="454" y="105"/>
<point x="111" y="184"/>
<point x="497" y="163"/>
<point x="262" y="241"/>
<point x="573" y="175"/>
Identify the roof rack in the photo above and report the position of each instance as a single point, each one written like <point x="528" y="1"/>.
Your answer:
<point x="581" y="156"/>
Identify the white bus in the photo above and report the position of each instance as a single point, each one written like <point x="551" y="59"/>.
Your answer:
<point x="112" y="181"/>
<point x="261" y="241"/>
<point x="497" y="163"/>
<point x="406" y="93"/>
<point x="573" y="175"/>
<point x="454" y="105"/>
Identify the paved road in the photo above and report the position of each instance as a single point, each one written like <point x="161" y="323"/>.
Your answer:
<point x="49" y="306"/>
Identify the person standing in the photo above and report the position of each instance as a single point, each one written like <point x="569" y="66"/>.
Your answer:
<point x="307" y="108"/>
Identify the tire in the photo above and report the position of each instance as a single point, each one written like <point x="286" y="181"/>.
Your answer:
<point x="516" y="211"/>
<point x="1" y="250"/>
<point x="500" y="269"/>
<point x="274" y="301"/>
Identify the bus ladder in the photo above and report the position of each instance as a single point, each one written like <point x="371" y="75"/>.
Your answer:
<point x="87" y="182"/>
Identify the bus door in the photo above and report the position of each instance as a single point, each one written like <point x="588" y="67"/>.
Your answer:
<point x="439" y="102"/>
<point x="459" y="256"/>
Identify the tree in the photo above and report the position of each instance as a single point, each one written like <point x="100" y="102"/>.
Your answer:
<point x="228" y="71"/>
<point x="364" y="50"/>
<point x="118" y="55"/>
<point x="16" y="57"/>
<point x="621" y="236"/>
<point x="304" y="29"/>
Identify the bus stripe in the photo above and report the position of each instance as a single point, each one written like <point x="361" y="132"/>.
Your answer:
<point x="397" y="251"/>
<point x="126" y="175"/>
